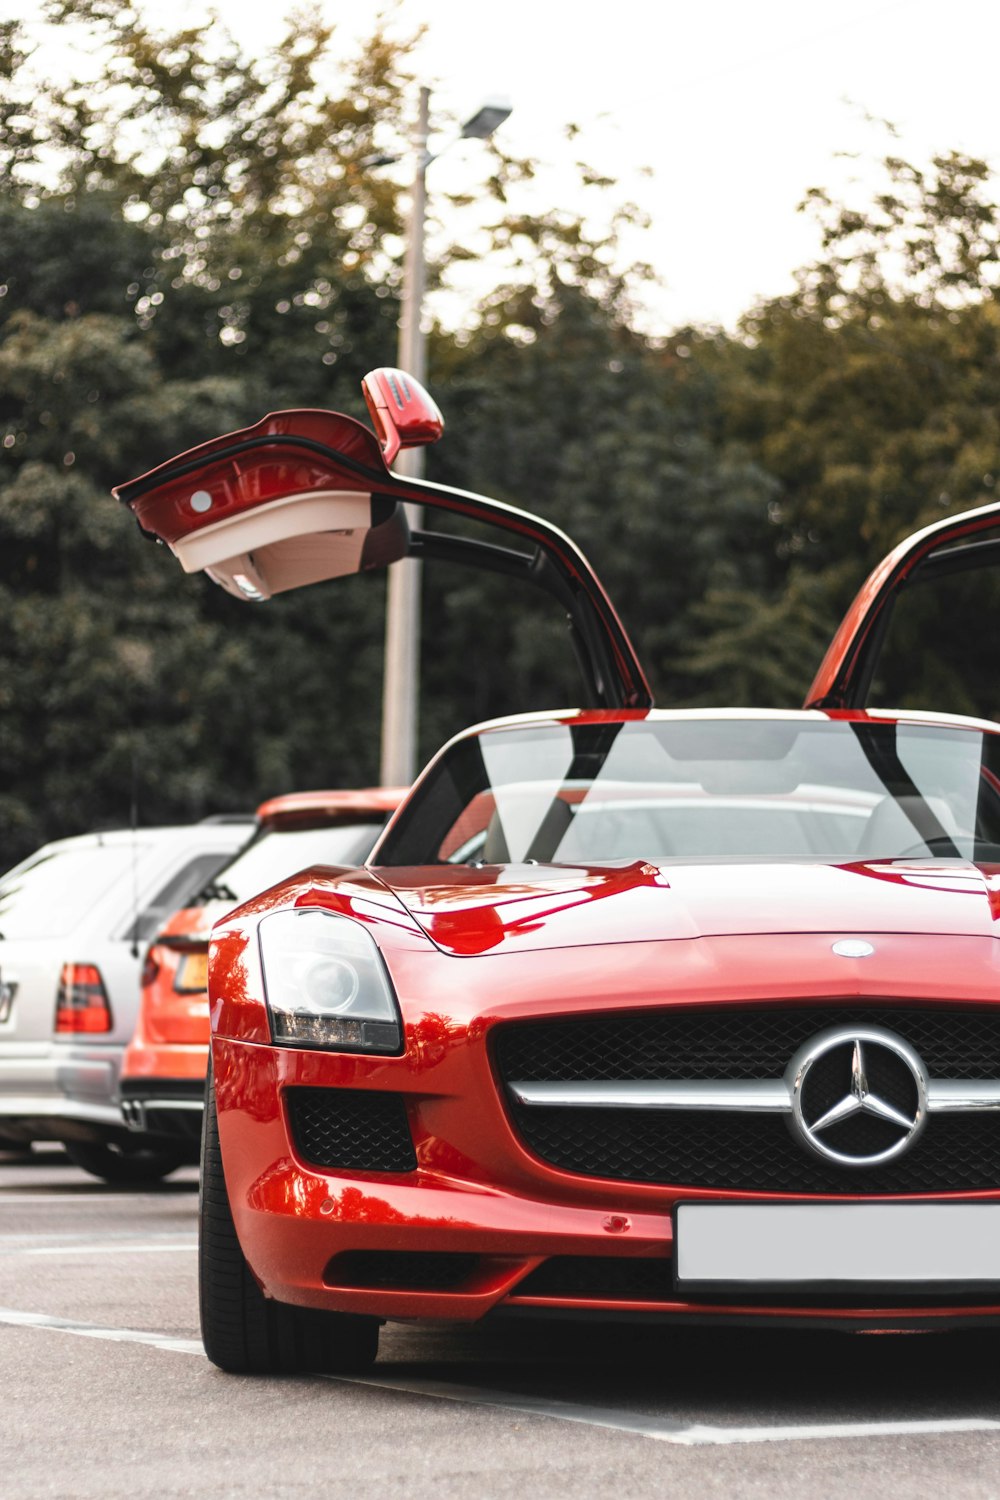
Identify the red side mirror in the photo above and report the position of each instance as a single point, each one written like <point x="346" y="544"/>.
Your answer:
<point x="402" y="413"/>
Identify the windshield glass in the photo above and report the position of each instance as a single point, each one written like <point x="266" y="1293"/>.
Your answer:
<point x="277" y="853"/>
<point x="682" y="789"/>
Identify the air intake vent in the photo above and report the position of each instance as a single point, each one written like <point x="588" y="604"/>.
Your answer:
<point x="401" y="1270"/>
<point x="351" y="1130"/>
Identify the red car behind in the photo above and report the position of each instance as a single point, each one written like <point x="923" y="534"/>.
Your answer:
<point x="162" y="1083"/>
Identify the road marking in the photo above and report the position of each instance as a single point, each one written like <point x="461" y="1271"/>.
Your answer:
<point x="110" y="1244"/>
<point x="57" y="1197"/>
<point x="22" y="1241"/>
<point x="17" y="1319"/>
<point x="660" y="1429"/>
<point x="100" y="1249"/>
<point x="666" y="1430"/>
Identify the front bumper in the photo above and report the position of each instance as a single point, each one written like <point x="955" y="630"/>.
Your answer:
<point x="481" y="1226"/>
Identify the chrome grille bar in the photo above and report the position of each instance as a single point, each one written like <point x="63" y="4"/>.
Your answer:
<point x="753" y="1096"/>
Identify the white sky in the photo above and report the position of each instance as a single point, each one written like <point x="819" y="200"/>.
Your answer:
<point x="737" y="106"/>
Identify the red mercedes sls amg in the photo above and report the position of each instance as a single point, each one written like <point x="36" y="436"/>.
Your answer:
<point x="676" y="1015"/>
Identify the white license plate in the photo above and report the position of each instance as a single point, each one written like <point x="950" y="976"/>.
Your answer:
<point x="837" y="1244"/>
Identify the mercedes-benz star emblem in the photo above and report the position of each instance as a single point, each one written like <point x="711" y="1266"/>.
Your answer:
<point x="859" y="1095"/>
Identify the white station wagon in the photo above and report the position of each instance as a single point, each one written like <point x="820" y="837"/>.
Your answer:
<point x="75" y="918"/>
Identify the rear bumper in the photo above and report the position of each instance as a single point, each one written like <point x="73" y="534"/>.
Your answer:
<point x="68" y="1094"/>
<point x="30" y="1117"/>
<point x="163" y="1106"/>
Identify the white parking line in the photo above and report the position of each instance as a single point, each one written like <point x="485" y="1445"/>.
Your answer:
<point x="100" y="1249"/>
<point x="117" y="1242"/>
<point x="665" y="1430"/>
<point x="14" y="1317"/>
<point x="660" y="1429"/>
<point x="56" y="1199"/>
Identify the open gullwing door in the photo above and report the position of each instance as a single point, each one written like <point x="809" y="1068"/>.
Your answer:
<point x="304" y="496"/>
<point x="919" y="632"/>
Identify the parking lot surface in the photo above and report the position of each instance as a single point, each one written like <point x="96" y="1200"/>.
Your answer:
<point x="106" y="1392"/>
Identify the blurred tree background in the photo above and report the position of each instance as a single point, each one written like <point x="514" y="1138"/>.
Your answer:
<point x="194" y="238"/>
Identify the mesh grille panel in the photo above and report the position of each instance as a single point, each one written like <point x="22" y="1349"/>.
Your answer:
<point x="355" y="1130"/>
<point x="955" y="1041"/>
<point x="753" y="1153"/>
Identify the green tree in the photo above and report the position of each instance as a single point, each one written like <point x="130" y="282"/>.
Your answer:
<point x="195" y="239"/>
<point x="871" y="396"/>
<point x="130" y="299"/>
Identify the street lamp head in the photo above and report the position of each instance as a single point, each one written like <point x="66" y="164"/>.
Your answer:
<point x="486" y="119"/>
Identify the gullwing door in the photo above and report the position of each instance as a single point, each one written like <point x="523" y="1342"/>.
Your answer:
<point x="920" y="633"/>
<point x="306" y="496"/>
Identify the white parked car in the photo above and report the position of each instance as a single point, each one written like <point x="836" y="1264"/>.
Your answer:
<point x="75" y="918"/>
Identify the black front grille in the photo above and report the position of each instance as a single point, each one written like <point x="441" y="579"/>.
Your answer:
<point x="355" y="1130"/>
<point x="737" y="1041"/>
<point x="753" y="1153"/>
<point x="744" y="1151"/>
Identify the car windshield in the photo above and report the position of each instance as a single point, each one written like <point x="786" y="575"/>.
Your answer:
<point x="277" y="853"/>
<point x="656" y="789"/>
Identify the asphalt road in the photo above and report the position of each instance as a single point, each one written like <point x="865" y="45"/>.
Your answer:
<point x="104" y="1391"/>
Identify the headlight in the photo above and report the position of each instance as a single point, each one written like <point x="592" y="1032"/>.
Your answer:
<point x="326" y="984"/>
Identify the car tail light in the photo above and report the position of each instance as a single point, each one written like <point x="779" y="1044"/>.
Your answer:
<point x="150" y="968"/>
<point x="82" y="1002"/>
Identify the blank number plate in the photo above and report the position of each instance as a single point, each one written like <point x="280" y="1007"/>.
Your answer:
<point x="837" y="1244"/>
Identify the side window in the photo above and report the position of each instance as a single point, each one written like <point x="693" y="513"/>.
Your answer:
<point x="939" y="650"/>
<point x="178" y="890"/>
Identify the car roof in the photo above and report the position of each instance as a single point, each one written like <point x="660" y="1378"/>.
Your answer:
<point x="222" y="836"/>
<point x="180" y="833"/>
<point x="756" y="715"/>
<point x="313" y="809"/>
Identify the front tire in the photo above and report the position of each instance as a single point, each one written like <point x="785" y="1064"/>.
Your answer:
<point x="244" y="1332"/>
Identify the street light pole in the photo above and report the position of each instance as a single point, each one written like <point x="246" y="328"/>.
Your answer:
<point x="402" y="620"/>
<point x="401" y="675"/>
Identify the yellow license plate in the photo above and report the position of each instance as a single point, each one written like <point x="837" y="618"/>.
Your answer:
<point x="192" y="973"/>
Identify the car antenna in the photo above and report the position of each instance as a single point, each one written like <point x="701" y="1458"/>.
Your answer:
<point x="133" y="827"/>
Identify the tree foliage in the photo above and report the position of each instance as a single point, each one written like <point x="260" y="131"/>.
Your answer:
<point x="191" y="237"/>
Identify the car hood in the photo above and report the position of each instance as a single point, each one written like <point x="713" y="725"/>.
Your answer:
<point x="523" y="907"/>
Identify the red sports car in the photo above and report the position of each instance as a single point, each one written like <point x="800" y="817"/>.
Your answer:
<point x="669" y="1015"/>
<point x="162" y="1081"/>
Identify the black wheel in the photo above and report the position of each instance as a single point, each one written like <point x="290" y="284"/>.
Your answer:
<point x="124" y="1162"/>
<point x="243" y="1331"/>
